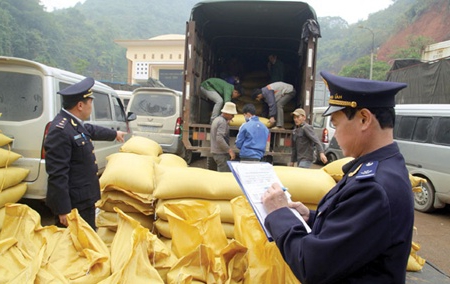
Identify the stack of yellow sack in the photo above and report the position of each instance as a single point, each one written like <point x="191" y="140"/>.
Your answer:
<point x="12" y="187"/>
<point x="128" y="184"/>
<point x="192" y="187"/>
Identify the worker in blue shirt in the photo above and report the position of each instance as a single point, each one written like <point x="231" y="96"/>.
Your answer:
<point x="252" y="136"/>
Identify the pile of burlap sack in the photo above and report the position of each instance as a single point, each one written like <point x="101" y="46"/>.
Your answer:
<point x="12" y="187"/>
<point x="160" y="221"/>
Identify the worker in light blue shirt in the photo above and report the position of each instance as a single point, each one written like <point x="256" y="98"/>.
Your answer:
<point x="252" y="136"/>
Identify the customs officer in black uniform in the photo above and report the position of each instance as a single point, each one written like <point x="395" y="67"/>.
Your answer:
<point x="362" y="229"/>
<point x="70" y="160"/>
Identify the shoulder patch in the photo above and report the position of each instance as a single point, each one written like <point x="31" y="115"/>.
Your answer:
<point x="368" y="170"/>
<point x="62" y="123"/>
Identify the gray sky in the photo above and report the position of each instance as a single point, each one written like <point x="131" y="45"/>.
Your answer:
<point x="350" y="10"/>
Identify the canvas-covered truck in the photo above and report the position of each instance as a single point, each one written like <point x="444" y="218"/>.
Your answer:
<point x="226" y="38"/>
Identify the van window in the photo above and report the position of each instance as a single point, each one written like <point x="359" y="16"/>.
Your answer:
<point x="318" y="121"/>
<point x="20" y="96"/>
<point x="102" y="107"/>
<point x="442" y="135"/>
<point x="118" y="110"/>
<point x="422" y="128"/>
<point x="405" y="127"/>
<point x="153" y="105"/>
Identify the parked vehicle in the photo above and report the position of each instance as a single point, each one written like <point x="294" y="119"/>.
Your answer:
<point x="323" y="128"/>
<point x="125" y="96"/>
<point x="288" y="29"/>
<point x="159" y="117"/>
<point x="29" y="102"/>
<point x="422" y="133"/>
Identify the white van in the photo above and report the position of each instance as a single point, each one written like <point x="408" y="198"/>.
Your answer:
<point x="159" y="117"/>
<point x="422" y="133"/>
<point x="324" y="129"/>
<point x="29" y="102"/>
<point x="125" y="96"/>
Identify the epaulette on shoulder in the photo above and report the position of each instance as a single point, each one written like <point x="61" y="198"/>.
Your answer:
<point x="62" y="123"/>
<point x="367" y="170"/>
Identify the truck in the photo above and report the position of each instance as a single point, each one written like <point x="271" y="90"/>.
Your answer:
<point x="235" y="38"/>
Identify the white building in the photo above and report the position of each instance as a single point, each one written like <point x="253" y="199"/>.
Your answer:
<point x="160" y="57"/>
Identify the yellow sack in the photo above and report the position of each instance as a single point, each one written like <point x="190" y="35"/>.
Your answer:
<point x="172" y="160"/>
<point x="110" y="220"/>
<point x="130" y="172"/>
<point x="265" y="262"/>
<point x="11" y="176"/>
<point x="106" y="235"/>
<point x="4" y="140"/>
<point x="162" y="227"/>
<point x="7" y="157"/>
<point x="193" y="182"/>
<point x="202" y="266"/>
<point x="195" y="223"/>
<point x="137" y="256"/>
<point x="197" y="265"/>
<point x="128" y="203"/>
<point x="2" y="217"/>
<point x="17" y="265"/>
<point x="12" y="194"/>
<point x="334" y="169"/>
<point x="239" y="119"/>
<point x="226" y="214"/>
<point x="141" y="146"/>
<point x="77" y="254"/>
<point x="305" y="185"/>
<point x="416" y="183"/>
<point x="415" y="262"/>
<point x="142" y="197"/>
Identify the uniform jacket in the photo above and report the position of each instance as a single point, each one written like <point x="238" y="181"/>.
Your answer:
<point x="71" y="165"/>
<point x="362" y="229"/>
<point x="252" y="139"/>
<point x="304" y="139"/>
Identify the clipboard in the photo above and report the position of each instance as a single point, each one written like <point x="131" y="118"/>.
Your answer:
<point x="254" y="178"/>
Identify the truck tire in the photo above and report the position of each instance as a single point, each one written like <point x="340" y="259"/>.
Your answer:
<point x="211" y="164"/>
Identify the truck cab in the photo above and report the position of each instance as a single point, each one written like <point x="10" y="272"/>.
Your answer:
<point x="235" y="38"/>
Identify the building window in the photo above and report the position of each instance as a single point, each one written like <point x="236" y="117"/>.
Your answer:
<point x="135" y="56"/>
<point x="153" y="56"/>
<point x="162" y="56"/>
<point x="170" y="56"/>
<point x="141" y="70"/>
<point x="179" y="56"/>
<point x="145" y="55"/>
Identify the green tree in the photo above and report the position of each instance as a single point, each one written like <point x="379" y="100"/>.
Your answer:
<point x="361" y="69"/>
<point x="416" y="44"/>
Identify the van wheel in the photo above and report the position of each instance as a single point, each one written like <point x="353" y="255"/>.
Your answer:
<point x="423" y="201"/>
<point x="211" y="164"/>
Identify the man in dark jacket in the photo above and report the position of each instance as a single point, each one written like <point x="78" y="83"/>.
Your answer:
<point x="69" y="155"/>
<point x="362" y="228"/>
<point x="304" y="139"/>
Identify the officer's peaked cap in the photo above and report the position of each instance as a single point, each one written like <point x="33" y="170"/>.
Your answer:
<point x="361" y="93"/>
<point x="78" y="91"/>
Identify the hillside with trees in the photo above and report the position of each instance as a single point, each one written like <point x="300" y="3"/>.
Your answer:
<point x="81" y="39"/>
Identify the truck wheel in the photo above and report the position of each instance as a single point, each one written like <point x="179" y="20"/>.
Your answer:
<point x="211" y="164"/>
<point x="186" y="155"/>
<point x="331" y="157"/>
<point x="423" y="201"/>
